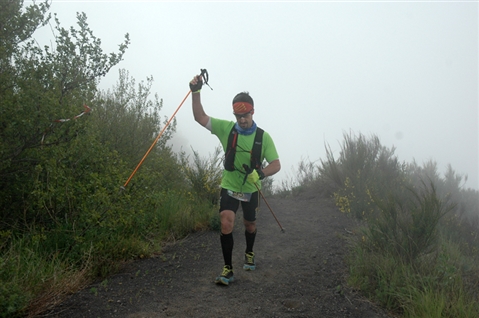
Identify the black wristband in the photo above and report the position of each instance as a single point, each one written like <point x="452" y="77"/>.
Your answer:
<point x="197" y="87"/>
<point x="261" y="174"/>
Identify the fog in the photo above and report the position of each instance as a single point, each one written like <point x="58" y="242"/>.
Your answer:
<point x="405" y="71"/>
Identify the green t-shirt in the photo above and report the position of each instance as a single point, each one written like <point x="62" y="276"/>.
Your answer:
<point x="233" y="180"/>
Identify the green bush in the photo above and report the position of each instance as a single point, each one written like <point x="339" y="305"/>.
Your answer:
<point x="418" y="248"/>
<point x="407" y="229"/>
<point x="434" y="286"/>
<point x="364" y="169"/>
<point x="204" y="174"/>
<point x="417" y="252"/>
<point x="64" y="218"/>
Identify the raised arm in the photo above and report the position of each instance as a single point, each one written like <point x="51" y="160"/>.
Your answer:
<point x="198" y="111"/>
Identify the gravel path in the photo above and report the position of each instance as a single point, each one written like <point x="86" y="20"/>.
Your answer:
<point x="300" y="273"/>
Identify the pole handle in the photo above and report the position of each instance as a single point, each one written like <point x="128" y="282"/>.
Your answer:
<point x="205" y="76"/>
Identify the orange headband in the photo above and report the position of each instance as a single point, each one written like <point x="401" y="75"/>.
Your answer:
<point x="242" y="107"/>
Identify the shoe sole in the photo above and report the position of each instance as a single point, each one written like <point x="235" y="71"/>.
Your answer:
<point x="224" y="280"/>
<point x="247" y="267"/>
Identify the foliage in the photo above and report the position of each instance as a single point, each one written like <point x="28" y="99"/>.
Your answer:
<point x="434" y="287"/>
<point x="64" y="218"/>
<point x="204" y="175"/>
<point x="17" y="27"/>
<point x="304" y="176"/>
<point x="38" y="88"/>
<point x="403" y="258"/>
<point x="418" y="249"/>
<point x="363" y="169"/>
<point x="128" y="119"/>
<point x="407" y="230"/>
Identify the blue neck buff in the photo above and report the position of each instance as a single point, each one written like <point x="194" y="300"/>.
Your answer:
<point x="246" y="132"/>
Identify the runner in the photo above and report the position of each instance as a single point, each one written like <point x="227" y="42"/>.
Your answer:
<point x="238" y="186"/>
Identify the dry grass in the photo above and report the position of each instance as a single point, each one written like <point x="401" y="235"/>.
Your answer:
<point x="58" y="289"/>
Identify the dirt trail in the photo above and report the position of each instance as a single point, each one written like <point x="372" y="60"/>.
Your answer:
<point x="300" y="273"/>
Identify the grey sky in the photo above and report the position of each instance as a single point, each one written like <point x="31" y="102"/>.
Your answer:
<point x="405" y="71"/>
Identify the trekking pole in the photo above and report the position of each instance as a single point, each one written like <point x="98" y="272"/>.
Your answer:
<point x="248" y="171"/>
<point x="204" y="75"/>
<point x="282" y="229"/>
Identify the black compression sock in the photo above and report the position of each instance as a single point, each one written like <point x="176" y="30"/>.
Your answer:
<point x="250" y="237"/>
<point x="227" y="248"/>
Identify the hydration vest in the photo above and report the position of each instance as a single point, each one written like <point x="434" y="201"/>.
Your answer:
<point x="255" y="159"/>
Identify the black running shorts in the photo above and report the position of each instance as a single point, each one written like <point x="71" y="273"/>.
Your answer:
<point x="249" y="208"/>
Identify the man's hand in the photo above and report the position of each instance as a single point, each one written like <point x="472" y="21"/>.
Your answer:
<point x="196" y="83"/>
<point x="255" y="175"/>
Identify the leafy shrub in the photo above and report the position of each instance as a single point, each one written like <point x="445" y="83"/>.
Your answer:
<point x="403" y="258"/>
<point x="406" y="230"/>
<point x="364" y="168"/>
<point x="204" y="174"/>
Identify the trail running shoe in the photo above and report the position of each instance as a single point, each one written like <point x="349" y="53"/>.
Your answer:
<point x="226" y="276"/>
<point x="249" y="264"/>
